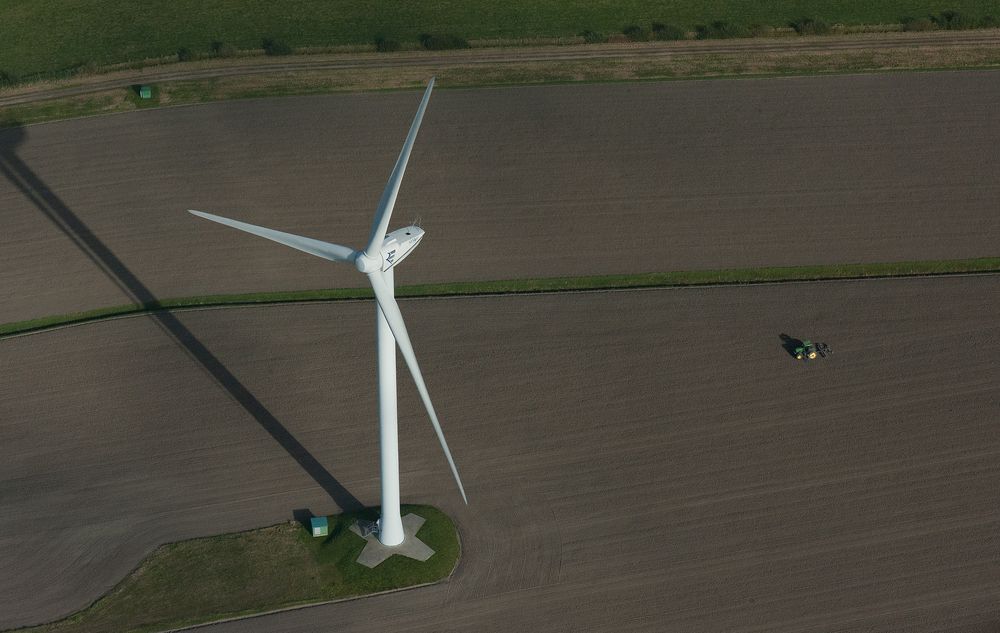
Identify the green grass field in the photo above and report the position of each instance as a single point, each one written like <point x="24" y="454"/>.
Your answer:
<point x="50" y="36"/>
<point x="207" y="579"/>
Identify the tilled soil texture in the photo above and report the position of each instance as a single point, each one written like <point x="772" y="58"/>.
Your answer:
<point x="636" y="461"/>
<point x="508" y="183"/>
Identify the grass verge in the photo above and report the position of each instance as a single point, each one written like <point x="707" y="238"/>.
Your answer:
<point x="707" y="65"/>
<point x="554" y="284"/>
<point x="207" y="579"/>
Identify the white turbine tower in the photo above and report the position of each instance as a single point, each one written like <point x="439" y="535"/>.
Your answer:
<point x="377" y="260"/>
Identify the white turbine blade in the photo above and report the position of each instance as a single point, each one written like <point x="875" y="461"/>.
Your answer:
<point x="326" y="250"/>
<point x="395" y="319"/>
<point x="388" y="200"/>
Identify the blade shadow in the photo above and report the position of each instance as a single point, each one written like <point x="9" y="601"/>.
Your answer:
<point x="67" y="222"/>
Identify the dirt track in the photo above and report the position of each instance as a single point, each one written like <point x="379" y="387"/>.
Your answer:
<point x="545" y="181"/>
<point x="435" y="61"/>
<point x="640" y="461"/>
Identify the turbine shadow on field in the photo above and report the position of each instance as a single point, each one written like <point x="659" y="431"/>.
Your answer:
<point x="53" y="208"/>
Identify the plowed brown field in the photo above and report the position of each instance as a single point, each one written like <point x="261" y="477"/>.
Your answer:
<point x="640" y="461"/>
<point x="519" y="182"/>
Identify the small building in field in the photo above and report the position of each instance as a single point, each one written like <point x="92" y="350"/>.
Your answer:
<point x="320" y="526"/>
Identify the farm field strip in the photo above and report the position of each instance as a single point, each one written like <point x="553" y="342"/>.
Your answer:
<point x="875" y="467"/>
<point x="813" y="171"/>
<point x="55" y="35"/>
<point x="436" y="62"/>
<point x="523" y="286"/>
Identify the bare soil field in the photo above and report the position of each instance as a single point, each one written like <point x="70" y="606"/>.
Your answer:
<point x="635" y="461"/>
<point x="508" y="183"/>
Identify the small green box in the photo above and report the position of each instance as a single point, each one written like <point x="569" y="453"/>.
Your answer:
<point x="145" y="92"/>
<point x="320" y="526"/>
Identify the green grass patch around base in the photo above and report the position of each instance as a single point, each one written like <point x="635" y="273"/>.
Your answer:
<point x="520" y="286"/>
<point x="281" y="566"/>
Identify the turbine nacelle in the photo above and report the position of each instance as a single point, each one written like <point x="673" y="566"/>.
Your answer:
<point x="400" y="243"/>
<point x="395" y="248"/>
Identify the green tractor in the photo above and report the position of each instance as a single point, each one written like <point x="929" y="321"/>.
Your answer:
<point x="810" y="350"/>
<point x="807" y="351"/>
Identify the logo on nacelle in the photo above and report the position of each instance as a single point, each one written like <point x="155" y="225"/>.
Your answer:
<point x="398" y="245"/>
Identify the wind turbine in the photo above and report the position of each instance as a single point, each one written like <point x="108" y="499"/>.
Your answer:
<point x="377" y="260"/>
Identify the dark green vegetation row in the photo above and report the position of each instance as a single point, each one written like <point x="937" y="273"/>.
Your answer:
<point x="208" y="579"/>
<point x="57" y="36"/>
<point x="603" y="282"/>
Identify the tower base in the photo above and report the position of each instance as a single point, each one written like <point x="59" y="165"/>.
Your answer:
<point x="376" y="553"/>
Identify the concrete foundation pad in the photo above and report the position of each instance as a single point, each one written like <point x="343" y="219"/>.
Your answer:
<point x="375" y="552"/>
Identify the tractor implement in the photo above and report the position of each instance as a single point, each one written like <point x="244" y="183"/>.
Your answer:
<point x="809" y="350"/>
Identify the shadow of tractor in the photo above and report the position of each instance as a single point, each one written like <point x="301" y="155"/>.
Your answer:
<point x="790" y="344"/>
